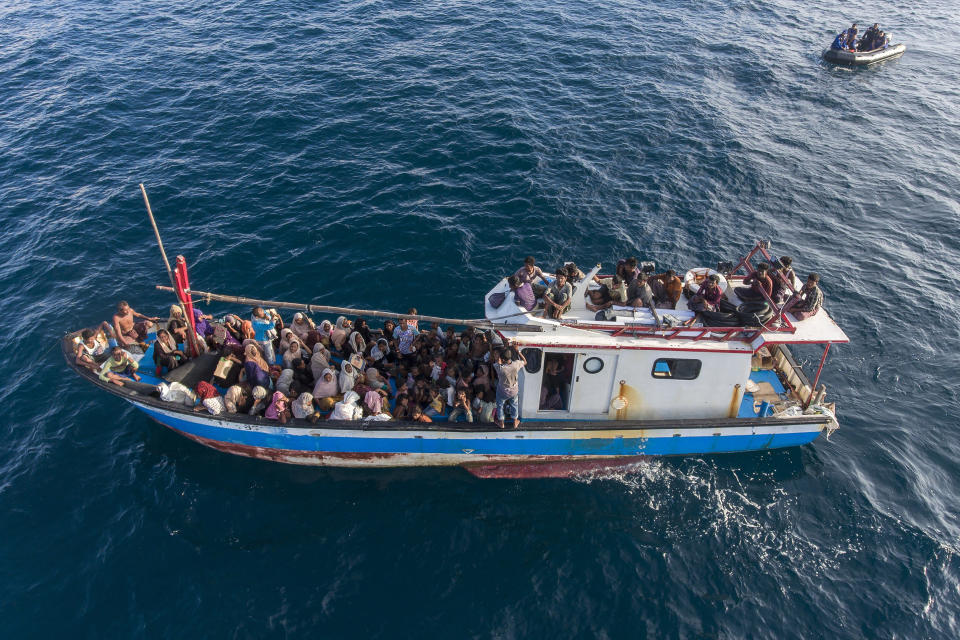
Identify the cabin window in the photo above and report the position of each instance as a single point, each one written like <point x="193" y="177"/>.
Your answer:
<point x="557" y="379"/>
<point x="593" y="365"/>
<point x="676" y="368"/>
<point x="533" y="359"/>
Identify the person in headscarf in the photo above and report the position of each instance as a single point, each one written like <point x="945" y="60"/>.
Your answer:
<point x="234" y="327"/>
<point x="319" y="361"/>
<point x="326" y="391"/>
<point x="177" y="323"/>
<point x="279" y="408"/>
<point x="294" y="351"/>
<point x="339" y="334"/>
<point x="234" y="399"/>
<point x="302" y="407"/>
<point x="379" y="351"/>
<point x="200" y="321"/>
<point x="373" y="402"/>
<point x="165" y="351"/>
<point x="284" y="381"/>
<point x="355" y="345"/>
<point x="259" y="400"/>
<point x="255" y="368"/>
<point x="374" y="380"/>
<point x="348" y="377"/>
<point x="301" y="326"/>
<point x="347" y="408"/>
<point x="209" y="399"/>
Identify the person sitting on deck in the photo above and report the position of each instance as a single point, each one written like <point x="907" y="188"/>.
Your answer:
<point x="126" y="331"/>
<point x="256" y="371"/>
<point x="484" y="407"/>
<point x="177" y="324"/>
<point x="781" y="274"/>
<point x="295" y="351"/>
<point x="279" y="408"/>
<point x="612" y="291"/>
<point x="236" y="398"/>
<point x="522" y="293"/>
<point x="301" y="326"/>
<point x="119" y="364"/>
<point x="708" y="295"/>
<point x="91" y="350"/>
<point x="806" y="302"/>
<point x="347" y="408"/>
<point x="202" y="323"/>
<point x="640" y="294"/>
<point x="628" y="270"/>
<point x="529" y="273"/>
<point x="264" y="326"/>
<point x="166" y="353"/>
<point x="760" y="284"/>
<point x="326" y="392"/>
<point x="259" y="400"/>
<point x="866" y="42"/>
<point x="574" y="274"/>
<point x="209" y="399"/>
<point x="667" y="289"/>
<point x="558" y="297"/>
<point x="461" y="407"/>
<point x="303" y="408"/>
<point x="417" y="415"/>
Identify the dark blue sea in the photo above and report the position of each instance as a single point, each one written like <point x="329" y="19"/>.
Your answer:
<point x="387" y="154"/>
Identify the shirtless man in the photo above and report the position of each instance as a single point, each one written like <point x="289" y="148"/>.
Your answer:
<point x="126" y="331"/>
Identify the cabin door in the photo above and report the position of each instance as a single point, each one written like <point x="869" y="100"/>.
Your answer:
<point x="593" y="378"/>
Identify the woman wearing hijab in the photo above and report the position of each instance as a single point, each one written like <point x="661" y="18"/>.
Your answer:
<point x="255" y="368"/>
<point x="284" y="381"/>
<point x="234" y="399"/>
<point x="339" y="334"/>
<point x="165" y="351"/>
<point x="259" y="400"/>
<point x="302" y="407"/>
<point x="293" y="352"/>
<point x="177" y="323"/>
<point x="279" y="408"/>
<point x="373" y="402"/>
<point x="200" y="321"/>
<point x="209" y="399"/>
<point x="319" y="361"/>
<point x="355" y="345"/>
<point x="347" y="408"/>
<point x="348" y="377"/>
<point x="326" y="391"/>
<point x="301" y="326"/>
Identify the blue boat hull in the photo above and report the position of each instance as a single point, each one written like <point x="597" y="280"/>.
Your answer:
<point x="485" y="452"/>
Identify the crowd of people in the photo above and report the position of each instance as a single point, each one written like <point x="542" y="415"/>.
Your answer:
<point x="873" y="39"/>
<point x="348" y="370"/>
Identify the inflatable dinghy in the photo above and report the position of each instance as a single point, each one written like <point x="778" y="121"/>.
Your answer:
<point x="842" y="56"/>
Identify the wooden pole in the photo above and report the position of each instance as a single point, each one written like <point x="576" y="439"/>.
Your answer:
<point x="156" y="232"/>
<point x="310" y="308"/>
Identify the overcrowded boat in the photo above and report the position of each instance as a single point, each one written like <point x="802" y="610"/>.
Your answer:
<point x="566" y="372"/>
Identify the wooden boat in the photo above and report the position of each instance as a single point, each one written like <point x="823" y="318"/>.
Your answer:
<point x="630" y="390"/>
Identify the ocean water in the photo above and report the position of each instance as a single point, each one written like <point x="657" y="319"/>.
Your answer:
<point x="388" y="154"/>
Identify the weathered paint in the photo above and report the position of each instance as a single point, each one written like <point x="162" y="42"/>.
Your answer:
<point x="372" y="447"/>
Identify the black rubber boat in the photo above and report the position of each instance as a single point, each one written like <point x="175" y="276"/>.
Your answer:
<point x="857" y="58"/>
